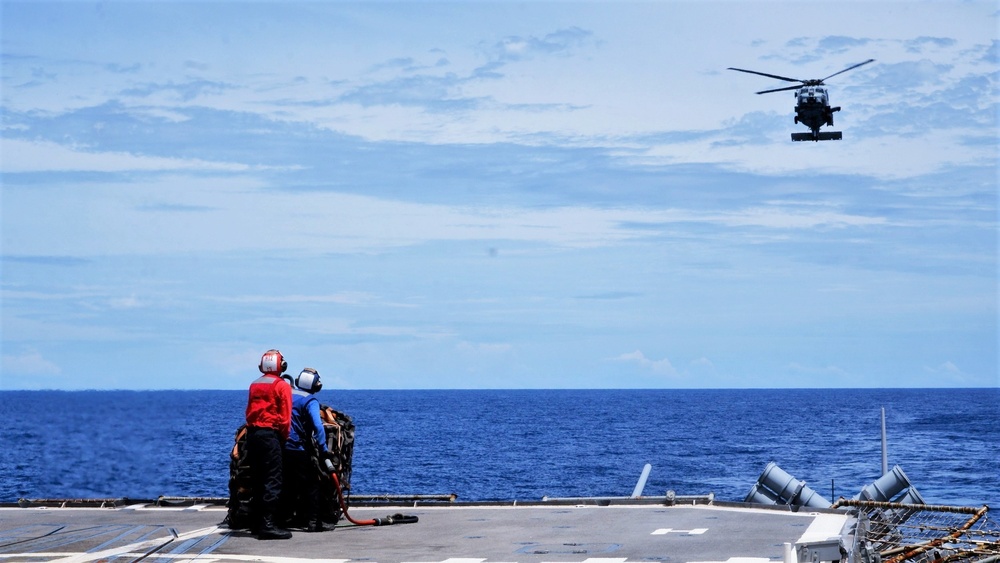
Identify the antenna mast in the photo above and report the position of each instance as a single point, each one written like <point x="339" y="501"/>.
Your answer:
<point x="885" y="455"/>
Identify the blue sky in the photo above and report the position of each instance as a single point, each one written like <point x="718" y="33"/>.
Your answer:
<point x="497" y="194"/>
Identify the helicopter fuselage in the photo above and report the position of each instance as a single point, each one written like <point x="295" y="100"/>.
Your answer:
<point x="812" y="107"/>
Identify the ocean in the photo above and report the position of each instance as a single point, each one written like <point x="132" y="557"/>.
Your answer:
<point x="519" y="444"/>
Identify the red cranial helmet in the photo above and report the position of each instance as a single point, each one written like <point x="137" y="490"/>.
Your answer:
<point x="272" y="362"/>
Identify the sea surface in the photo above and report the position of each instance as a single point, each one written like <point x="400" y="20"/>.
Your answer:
<point x="519" y="444"/>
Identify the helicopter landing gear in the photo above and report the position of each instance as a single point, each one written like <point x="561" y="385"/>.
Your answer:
<point x="818" y="136"/>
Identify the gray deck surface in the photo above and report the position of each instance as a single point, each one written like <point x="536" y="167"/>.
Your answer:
<point x="459" y="534"/>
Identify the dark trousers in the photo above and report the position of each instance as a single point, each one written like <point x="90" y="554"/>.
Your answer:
<point x="301" y="496"/>
<point x="264" y="449"/>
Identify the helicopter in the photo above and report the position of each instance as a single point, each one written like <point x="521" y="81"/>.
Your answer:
<point x="812" y="104"/>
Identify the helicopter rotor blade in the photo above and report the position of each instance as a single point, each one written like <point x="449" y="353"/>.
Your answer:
<point x="779" y="89"/>
<point x="846" y="69"/>
<point x="785" y="78"/>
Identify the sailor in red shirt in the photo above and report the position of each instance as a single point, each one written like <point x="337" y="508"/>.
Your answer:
<point x="269" y="418"/>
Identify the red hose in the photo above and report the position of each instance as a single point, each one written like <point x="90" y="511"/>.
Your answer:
<point x="387" y="521"/>
<point x="343" y="505"/>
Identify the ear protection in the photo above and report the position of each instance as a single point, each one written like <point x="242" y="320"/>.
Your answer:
<point x="272" y="362"/>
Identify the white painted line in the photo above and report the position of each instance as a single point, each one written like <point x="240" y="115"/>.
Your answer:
<point x="213" y="558"/>
<point x="464" y="560"/>
<point x="691" y="532"/>
<point x="140" y="547"/>
<point x="738" y="560"/>
<point x="824" y="527"/>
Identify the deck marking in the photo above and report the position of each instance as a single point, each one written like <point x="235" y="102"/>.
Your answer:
<point x="691" y="532"/>
<point x="138" y="546"/>
<point x="70" y="536"/>
<point x="483" y="560"/>
<point x="18" y="535"/>
<point x="223" y="539"/>
<point x="823" y="527"/>
<point x="130" y="531"/>
<point x="55" y="555"/>
<point x="254" y="558"/>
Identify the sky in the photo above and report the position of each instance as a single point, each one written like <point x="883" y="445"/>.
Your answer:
<point x="497" y="194"/>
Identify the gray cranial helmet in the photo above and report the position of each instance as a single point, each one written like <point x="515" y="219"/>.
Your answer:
<point x="308" y="380"/>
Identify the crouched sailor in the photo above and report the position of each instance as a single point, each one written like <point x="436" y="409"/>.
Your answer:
<point x="301" y="503"/>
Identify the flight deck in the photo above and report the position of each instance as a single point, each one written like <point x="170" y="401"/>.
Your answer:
<point x="444" y="533"/>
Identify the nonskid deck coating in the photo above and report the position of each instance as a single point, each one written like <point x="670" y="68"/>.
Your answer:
<point x="453" y="534"/>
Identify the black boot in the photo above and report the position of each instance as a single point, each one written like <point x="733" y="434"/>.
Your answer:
<point x="268" y="531"/>
<point x="317" y="526"/>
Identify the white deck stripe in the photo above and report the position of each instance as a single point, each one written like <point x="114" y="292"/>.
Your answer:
<point x="62" y="556"/>
<point x="824" y="527"/>
<point x="140" y="547"/>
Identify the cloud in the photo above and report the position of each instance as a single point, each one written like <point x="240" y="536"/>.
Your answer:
<point x="174" y="208"/>
<point x="947" y="373"/>
<point x="129" y="302"/>
<point x="185" y="91"/>
<point x="228" y="363"/>
<point x="341" y="298"/>
<point x="991" y="53"/>
<point x="662" y="367"/>
<point x="908" y="77"/>
<point x="433" y="92"/>
<point x="755" y="127"/>
<point x="443" y="92"/>
<point x="351" y="331"/>
<point x="840" y="44"/>
<point x="518" y="48"/>
<point x="813" y="51"/>
<point x="46" y="260"/>
<point x="123" y="69"/>
<point x="408" y="64"/>
<point x="703" y="363"/>
<point x="331" y="222"/>
<point x="29" y="363"/>
<point x="610" y="295"/>
<point x="484" y="348"/>
<point x="779" y="217"/>
<point x="920" y="44"/>
<point x="44" y="156"/>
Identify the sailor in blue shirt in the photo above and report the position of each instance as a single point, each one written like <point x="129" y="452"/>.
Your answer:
<point x="302" y="493"/>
